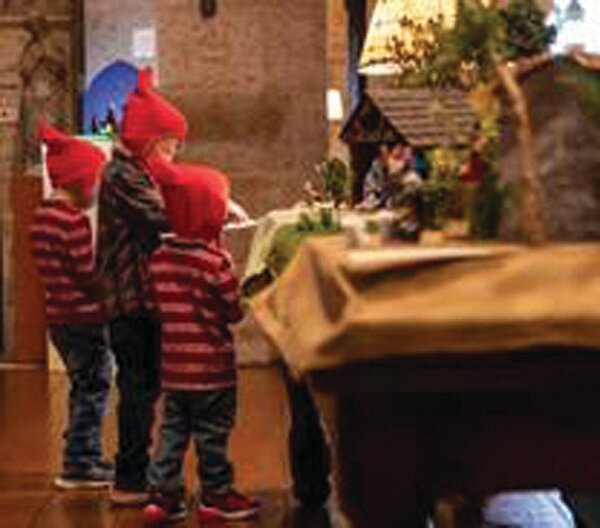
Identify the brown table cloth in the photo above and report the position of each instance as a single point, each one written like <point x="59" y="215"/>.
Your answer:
<point x="334" y="306"/>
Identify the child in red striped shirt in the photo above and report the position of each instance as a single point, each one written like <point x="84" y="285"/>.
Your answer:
<point x="196" y="293"/>
<point x="61" y="239"/>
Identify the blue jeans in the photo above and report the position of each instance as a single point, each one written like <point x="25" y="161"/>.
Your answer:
<point x="135" y="341"/>
<point x="85" y="355"/>
<point x="207" y="418"/>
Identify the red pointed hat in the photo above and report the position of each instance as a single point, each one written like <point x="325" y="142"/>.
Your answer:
<point x="149" y="116"/>
<point x="195" y="197"/>
<point x="71" y="161"/>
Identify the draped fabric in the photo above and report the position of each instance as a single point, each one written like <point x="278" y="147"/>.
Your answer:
<point x="335" y="306"/>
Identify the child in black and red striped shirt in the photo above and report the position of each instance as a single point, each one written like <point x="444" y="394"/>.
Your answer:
<point x="61" y="239"/>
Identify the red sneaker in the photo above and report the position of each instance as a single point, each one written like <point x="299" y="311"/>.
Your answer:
<point x="164" y="510"/>
<point x="230" y="506"/>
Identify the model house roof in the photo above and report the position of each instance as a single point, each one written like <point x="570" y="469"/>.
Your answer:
<point x="423" y="118"/>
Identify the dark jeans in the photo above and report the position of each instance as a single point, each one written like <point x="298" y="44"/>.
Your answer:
<point x="207" y="418"/>
<point x="135" y="342"/>
<point x="84" y="352"/>
<point x="310" y="457"/>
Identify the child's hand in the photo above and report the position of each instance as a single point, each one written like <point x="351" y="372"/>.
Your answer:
<point x="236" y="213"/>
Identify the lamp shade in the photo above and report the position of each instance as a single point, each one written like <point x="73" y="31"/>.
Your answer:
<point x="394" y="27"/>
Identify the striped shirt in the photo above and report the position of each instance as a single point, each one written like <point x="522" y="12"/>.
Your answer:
<point x="131" y="218"/>
<point x="196" y="294"/>
<point x="61" y="237"/>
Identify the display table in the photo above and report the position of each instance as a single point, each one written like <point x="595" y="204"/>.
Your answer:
<point x="269" y="225"/>
<point x="466" y="370"/>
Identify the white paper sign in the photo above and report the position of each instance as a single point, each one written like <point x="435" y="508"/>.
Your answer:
<point x="144" y="43"/>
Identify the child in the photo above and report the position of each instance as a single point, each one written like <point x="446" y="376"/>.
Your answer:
<point x="197" y="298"/>
<point x="62" y="246"/>
<point x="131" y="219"/>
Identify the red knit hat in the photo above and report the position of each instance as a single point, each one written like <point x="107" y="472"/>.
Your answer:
<point x="71" y="161"/>
<point x="195" y="197"/>
<point x="149" y="116"/>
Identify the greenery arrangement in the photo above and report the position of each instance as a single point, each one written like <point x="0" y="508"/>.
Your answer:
<point x="335" y="181"/>
<point x="327" y="191"/>
<point x="286" y="242"/>
<point x="442" y="190"/>
<point x="488" y="205"/>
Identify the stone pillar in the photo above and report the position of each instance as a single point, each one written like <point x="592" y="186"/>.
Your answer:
<point x="35" y="75"/>
<point x="9" y="133"/>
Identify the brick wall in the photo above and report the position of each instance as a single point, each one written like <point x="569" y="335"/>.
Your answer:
<point x="252" y="82"/>
<point x="337" y="72"/>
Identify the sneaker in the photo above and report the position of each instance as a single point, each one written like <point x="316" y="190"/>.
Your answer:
<point x="163" y="509"/>
<point x="129" y="496"/>
<point x="230" y="506"/>
<point x="106" y="466"/>
<point x="80" y="476"/>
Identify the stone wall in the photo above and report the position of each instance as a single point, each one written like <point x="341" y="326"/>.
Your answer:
<point x="252" y="82"/>
<point x="567" y="140"/>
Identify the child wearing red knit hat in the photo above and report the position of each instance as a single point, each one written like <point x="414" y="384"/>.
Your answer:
<point x="196" y="293"/>
<point x="61" y="238"/>
<point x="131" y="220"/>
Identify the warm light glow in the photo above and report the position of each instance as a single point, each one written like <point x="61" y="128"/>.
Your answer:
<point x="583" y="33"/>
<point x="335" y="106"/>
<point x="385" y="30"/>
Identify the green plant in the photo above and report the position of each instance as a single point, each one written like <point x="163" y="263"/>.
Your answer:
<point x="440" y="196"/>
<point x="488" y="205"/>
<point x="526" y="30"/>
<point x="285" y="244"/>
<point x="442" y="191"/>
<point x="305" y="223"/>
<point x="336" y="180"/>
<point x="372" y="227"/>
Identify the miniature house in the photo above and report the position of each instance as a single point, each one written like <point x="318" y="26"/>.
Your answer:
<point x="423" y="119"/>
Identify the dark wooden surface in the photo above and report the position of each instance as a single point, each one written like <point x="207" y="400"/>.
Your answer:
<point x="32" y="415"/>
<point x="469" y="427"/>
<point x="28" y="332"/>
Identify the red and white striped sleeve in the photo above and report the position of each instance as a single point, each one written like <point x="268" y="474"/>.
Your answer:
<point x="223" y="284"/>
<point x="79" y="249"/>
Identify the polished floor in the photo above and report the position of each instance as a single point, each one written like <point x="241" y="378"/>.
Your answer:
<point x="32" y="414"/>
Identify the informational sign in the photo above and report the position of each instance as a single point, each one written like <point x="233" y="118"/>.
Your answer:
<point x="144" y="43"/>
